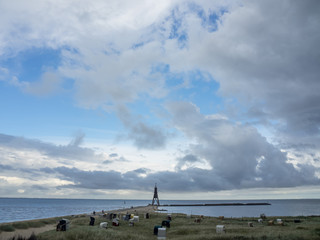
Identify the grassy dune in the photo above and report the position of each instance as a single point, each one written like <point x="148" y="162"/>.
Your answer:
<point x="11" y="227"/>
<point x="187" y="229"/>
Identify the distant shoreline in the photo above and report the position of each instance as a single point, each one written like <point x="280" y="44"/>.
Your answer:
<point x="128" y="199"/>
<point x="213" y="204"/>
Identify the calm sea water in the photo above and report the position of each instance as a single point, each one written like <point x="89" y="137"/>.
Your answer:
<point x="288" y="207"/>
<point x="18" y="209"/>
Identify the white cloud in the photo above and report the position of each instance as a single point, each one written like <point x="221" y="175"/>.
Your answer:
<point x="237" y="153"/>
<point x="268" y="63"/>
<point x="264" y="55"/>
<point x="41" y="150"/>
<point x="58" y="23"/>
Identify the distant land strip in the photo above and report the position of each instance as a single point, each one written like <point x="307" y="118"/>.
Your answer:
<point x="213" y="204"/>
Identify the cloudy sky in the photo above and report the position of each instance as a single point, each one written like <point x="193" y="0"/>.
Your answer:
<point x="208" y="99"/>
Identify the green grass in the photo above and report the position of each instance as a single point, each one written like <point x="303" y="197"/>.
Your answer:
<point x="10" y="227"/>
<point x="7" y="228"/>
<point x="21" y="225"/>
<point x="182" y="228"/>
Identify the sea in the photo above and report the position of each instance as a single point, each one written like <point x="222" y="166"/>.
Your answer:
<point x="20" y="209"/>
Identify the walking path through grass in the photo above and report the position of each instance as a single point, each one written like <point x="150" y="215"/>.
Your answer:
<point x="26" y="232"/>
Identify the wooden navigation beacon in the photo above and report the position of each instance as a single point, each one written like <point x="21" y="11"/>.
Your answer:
<point x="155" y="196"/>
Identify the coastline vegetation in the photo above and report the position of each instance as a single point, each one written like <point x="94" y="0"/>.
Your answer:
<point x="181" y="227"/>
<point x="11" y="227"/>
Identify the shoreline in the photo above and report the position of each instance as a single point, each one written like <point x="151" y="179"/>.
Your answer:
<point x="23" y="210"/>
<point x="214" y="204"/>
<point x="143" y="209"/>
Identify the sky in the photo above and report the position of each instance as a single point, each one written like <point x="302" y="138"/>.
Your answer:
<point x="207" y="99"/>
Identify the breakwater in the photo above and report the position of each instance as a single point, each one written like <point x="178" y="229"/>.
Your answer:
<point x="213" y="204"/>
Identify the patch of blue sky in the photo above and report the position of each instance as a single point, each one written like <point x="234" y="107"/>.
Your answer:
<point x="73" y="58"/>
<point x="111" y="49"/>
<point x="173" y="79"/>
<point x="160" y="67"/>
<point x="211" y="23"/>
<point x="196" y="86"/>
<point x="208" y="20"/>
<point x="151" y="113"/>
<point x="30" y="116"/>
<point x="177" y="30"/>
<point x="138" y="45"/>
<point x="67" y="84"/>
<point x="175" y="26"/>
<point x="29" y="65"/>
<point x="202" y="93"/>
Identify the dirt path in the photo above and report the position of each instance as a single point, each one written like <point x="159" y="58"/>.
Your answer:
<point x="26" y="232"/>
